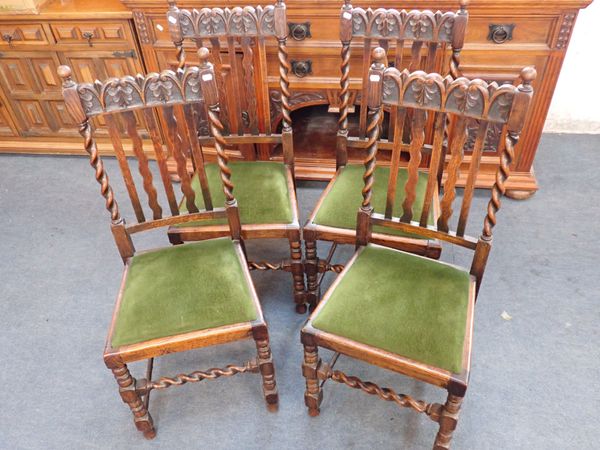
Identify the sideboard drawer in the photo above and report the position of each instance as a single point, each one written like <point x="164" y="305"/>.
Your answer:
<point x="23" y="34"/>
<point x="498" y="31"/>
<point x="91" y="33"/>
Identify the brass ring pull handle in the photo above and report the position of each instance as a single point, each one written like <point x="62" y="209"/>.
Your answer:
<point x="299" y="31"/>
<point x="301" y="68"/>
<point x="500" y="33"/>
<point x="8" y="38"/>
<point x="88" y="35"/>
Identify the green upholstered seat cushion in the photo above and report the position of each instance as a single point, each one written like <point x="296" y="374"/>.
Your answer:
<point x="260" y="187"/>
<point x="181" y="289"/>
<point x="340" y="206"/>
<point x="402" y="303"/>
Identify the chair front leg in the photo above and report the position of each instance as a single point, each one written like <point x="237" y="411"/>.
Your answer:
<point x="448" y="420"/>
<point x="311" y="268"/>
<point x="141" y="416"/>
<point x="313" y="394"/>
<point x="297" y="270"/>
<point x="266" y="367"/>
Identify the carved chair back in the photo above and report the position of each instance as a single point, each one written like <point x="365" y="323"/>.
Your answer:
<point x="243" y="85"/>
<point x="123" y="102"/>
<point x="450" y="103"/>
<point x="427" y="33"/>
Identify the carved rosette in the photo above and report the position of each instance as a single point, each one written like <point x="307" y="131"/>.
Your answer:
<point x="566" y="28"/>
<point x="142" y="27"/>
<point x="394" y="24"/>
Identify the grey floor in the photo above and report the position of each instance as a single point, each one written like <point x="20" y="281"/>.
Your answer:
<point x="535" y="378"/>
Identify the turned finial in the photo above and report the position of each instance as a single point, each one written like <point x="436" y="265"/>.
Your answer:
<point x="378" y="56"/>
<point x="65" y="73"/>
<point x="528" y="75"/>
<point x="203" y="54"/>
<point x="172" y="4"/>
<point x="463" y="5"/>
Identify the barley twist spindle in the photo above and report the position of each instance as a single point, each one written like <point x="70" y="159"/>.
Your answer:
<point x="385" y="393"/>
<point x="284" y="84"/>
<point x="345" y="89"/>
<point x="85" y="129"/>
<point x="199" y="375"/>
<point x="216" y="129"/>
<point x="499" y="187"/>
<point x="370" y="163"/>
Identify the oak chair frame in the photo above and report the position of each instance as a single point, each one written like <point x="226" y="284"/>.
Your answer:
<point x="433" y="30"/>
<point x="121" y="98"/>
<point x="460" y="98"/>
<point x="248" y="25"/>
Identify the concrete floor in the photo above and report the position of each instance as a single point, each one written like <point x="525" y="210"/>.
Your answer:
<point x="535" y="379"/>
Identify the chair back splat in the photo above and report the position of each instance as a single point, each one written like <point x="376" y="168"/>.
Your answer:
<point x="449" y="102"/>
<point x="246" y="116"/>
<point x="427" y="33"/>
<point x="132" y="103"/>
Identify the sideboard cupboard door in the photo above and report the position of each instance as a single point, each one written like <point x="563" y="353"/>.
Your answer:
<point x="16" y="76"/>
<point x="99" y="65"/>
<point x="30" y="84"/>
<point x="7" y="126"/>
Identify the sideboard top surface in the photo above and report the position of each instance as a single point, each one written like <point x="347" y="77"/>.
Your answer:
<point x="317" y="5"/>
<point x="77" y="9"/>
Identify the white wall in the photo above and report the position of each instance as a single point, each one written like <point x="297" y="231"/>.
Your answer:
<point x="575" y="106"/>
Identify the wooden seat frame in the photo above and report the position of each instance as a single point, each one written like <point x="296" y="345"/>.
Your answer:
<point x="119" y="99"/>
<point x="432" y="30"/>
<point x="249" y="26"/>
<point x="443" y="97"/>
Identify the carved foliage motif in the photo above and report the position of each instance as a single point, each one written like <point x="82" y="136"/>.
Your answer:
<point x="473" y="98"/>
<point x="210" y="22"/>
<point x="492" y="137"/>
<point x="117" y="94"/>
<point x="383" y="23"/>
<point x="296" y="98"/>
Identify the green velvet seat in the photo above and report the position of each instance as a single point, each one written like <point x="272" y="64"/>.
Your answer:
<point x="405" y="304"/>
<point x="341" y="204"/>
<point x="260" y="187"/>
<point x="180" y="289"/>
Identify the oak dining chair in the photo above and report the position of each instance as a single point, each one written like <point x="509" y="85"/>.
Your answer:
<point x="265" y="183"/>
<point x="174" y="298"/>
<point x="400" y="311"/>
<point x="435" y="39"/>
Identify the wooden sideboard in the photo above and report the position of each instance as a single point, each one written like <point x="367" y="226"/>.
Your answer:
<point x="502" y="37"/>
<point x="97" y="39"/>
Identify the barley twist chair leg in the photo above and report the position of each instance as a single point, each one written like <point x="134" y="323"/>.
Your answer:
<point x="312" y="273"/>
<point x="141" y="416"/>
<point x="297" y="270"/>
<point x="313" y="394"/>
<point x="448" y="420"/>
<point x="267" y="371"/>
